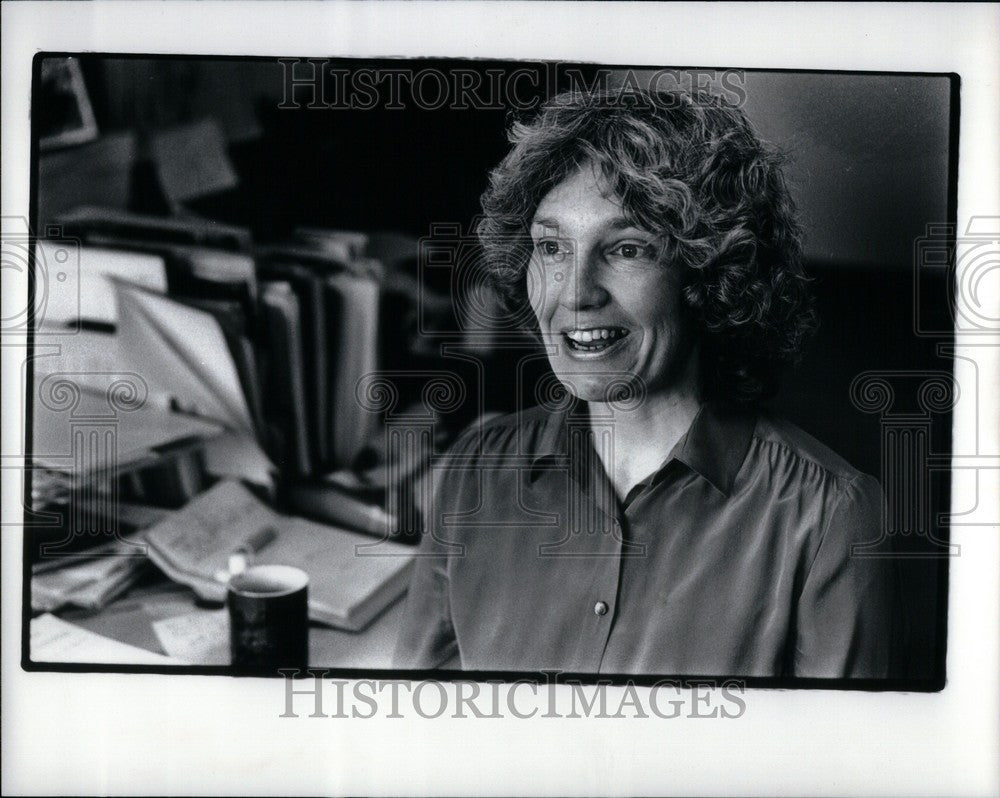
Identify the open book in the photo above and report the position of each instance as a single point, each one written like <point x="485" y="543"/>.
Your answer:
<point x="352" y="578"/>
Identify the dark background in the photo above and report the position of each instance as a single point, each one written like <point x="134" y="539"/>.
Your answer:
<point x="871" y="164"/>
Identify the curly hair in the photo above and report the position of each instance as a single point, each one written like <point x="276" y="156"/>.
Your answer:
<point x="694" y="173"/>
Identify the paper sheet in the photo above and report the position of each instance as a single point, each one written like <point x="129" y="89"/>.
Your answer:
<point x="181" y="351"/>
<point x="199" y="638"/>
<point x="56" y="640"/>
<point x="78" y="286"/>
<point x="191" y="161"/>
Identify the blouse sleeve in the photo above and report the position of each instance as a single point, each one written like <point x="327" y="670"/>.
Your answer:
<point x="427" y="637"/>
<point x="847" y="609"/>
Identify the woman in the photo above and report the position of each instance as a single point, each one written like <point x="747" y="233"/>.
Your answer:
<point x="652" y="519"/>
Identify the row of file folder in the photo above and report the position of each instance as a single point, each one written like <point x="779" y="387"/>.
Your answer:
<point x="299" y="321"/>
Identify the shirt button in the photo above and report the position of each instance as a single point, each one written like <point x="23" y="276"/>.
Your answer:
<point x="601" y="608"/>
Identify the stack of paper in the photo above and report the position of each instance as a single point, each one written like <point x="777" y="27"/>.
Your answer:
<point x="88" y="580"/>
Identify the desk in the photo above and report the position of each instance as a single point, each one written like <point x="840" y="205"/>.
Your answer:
<point x="130" y="620"/>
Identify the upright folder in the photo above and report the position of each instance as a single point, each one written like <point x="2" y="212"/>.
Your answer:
<point x="314" y="341"/>
<point x="340" y="307"/>
<point x="356" y="302"/>
<point x="285" y="399"/>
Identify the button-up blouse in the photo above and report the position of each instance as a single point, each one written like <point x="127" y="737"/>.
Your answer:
<point x="752" y="551"/>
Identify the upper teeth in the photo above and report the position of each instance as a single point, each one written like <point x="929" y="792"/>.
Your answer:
<point x="595" y="334"/>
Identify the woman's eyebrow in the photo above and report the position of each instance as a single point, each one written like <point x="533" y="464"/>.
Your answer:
<point x="614" y="223"/>
<point x="621" y="223"/>
<point x="546" y="222"/>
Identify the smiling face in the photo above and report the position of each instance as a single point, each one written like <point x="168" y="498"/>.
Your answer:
<point x="604" y="299"/>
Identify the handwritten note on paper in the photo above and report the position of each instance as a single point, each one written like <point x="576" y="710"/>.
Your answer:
<point x="198" y="638"/>
<point x="201" y="535"/>
<point x="56" y="640"/>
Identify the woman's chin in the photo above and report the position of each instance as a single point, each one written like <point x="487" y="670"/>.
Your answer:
<point x="599" y="387"/>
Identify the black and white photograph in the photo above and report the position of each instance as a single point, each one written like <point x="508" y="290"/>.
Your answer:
<point x="592" y="363"/>
<point x="500" y="387"/>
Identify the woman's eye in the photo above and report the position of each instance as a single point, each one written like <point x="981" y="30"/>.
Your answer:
<point x="632" y="251"/>
<point x="550" y="248"/>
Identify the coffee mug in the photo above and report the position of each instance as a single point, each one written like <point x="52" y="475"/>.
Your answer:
<point x="269" y="619"/>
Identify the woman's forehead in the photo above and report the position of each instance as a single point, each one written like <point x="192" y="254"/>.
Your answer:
<point x="585" y="196"/>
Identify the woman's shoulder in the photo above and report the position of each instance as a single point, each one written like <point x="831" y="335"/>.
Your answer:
<point x="795" y="443"/>
<point x="819" y="473"/>
<point x="519" y="432"/>
<point x="787" y="449"/>
<point x="824" y="481"/>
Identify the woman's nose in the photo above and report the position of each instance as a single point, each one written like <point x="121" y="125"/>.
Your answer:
<point x="580" y="286"/>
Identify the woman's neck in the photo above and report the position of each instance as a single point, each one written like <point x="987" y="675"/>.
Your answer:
<point x="641" y="438"/>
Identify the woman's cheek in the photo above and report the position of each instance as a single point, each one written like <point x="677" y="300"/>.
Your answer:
<point x="536" y="287"/>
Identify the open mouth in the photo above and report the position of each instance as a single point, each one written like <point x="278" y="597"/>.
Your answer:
<point x="594" y="339"/>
